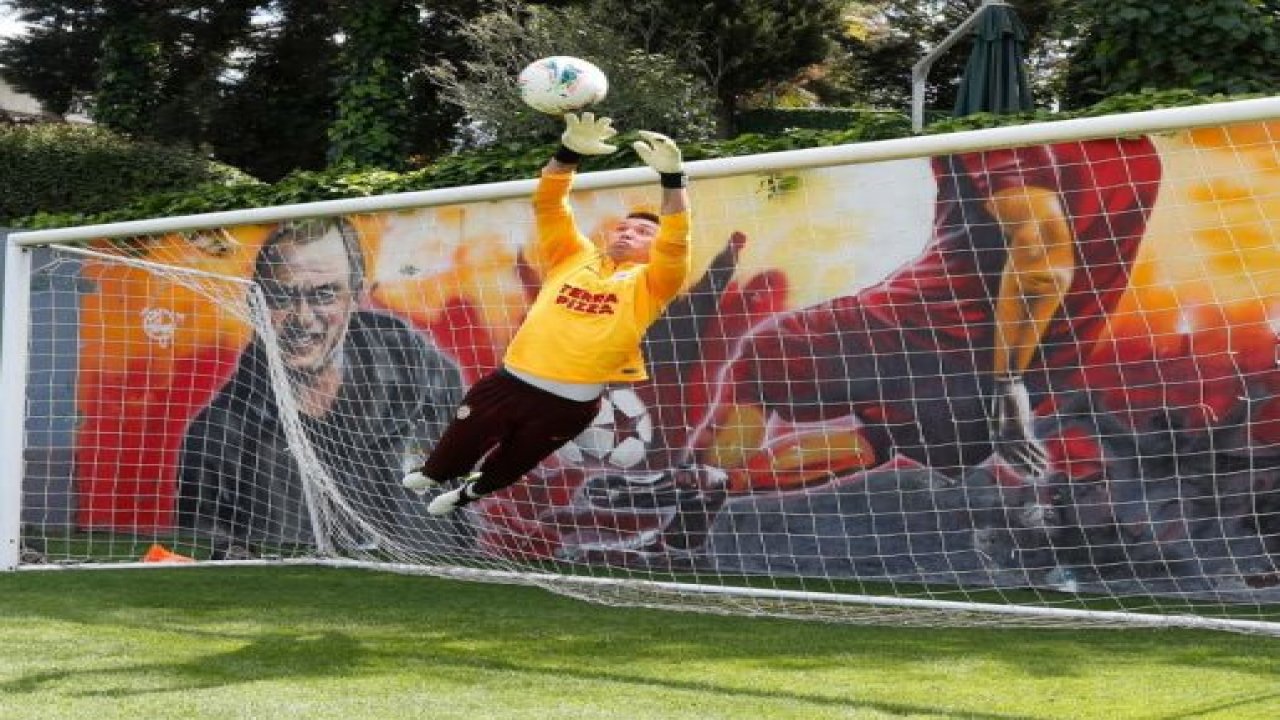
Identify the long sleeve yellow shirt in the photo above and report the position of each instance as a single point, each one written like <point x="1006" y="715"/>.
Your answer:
<point x="591" y="313"/>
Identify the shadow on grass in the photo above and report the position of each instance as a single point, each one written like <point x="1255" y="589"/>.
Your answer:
<point x="1239" y="705"/>
<point x="346" y="623"/>
<point x="263" y="657"/>
<point x="288" y="657"/>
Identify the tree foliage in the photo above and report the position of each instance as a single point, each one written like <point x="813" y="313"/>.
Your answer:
<point x="54" y="61"/>
<point x="432" y="120"/>
<point x="1207" y="46"/>
<point x="735" y="46"/>
<point x="372" y="117"/>
<point x="160" y="63"/>
<point x="128" y="87"/>
<point x="284" y="96"/>
<point x="646" y="90"/>
<point x="274" y="116"/>
<point x="281" y="85"/>
<point x="198" y="38"/>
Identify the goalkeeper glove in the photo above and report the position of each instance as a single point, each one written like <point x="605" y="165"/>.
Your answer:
<point x="1012" y="420"/>
<point x="585" y="135"/>
<point x="662" y="154"/>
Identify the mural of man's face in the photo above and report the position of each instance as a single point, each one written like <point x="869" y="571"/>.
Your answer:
<point x="309" y="292"/>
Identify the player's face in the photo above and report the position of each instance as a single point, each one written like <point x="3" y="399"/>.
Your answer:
<point x="311" y="300"/>
<point x="629" y="240"/>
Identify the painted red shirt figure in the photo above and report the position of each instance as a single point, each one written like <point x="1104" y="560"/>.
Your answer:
<point x="1032" y="250"/>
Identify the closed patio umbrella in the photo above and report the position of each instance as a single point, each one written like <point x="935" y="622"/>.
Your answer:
<point x="995" y="78"/>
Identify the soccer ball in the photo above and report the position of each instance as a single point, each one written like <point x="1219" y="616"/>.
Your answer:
<point x="560" y="84"/>
<point x="619" y="436"/>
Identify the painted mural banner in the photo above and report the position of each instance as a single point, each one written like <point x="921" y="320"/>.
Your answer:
<point x="1005" y="367"/>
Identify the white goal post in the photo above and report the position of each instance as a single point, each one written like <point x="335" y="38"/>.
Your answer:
<point x="868" y="405"/>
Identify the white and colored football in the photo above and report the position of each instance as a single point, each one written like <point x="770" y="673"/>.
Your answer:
<point x="618" y="437"/>
<point x="560" y="84"/>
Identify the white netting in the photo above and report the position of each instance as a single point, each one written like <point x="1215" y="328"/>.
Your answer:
<point x="820" y="435"/>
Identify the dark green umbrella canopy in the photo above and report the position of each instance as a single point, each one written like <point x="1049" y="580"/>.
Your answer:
<point x="995" y="78"/>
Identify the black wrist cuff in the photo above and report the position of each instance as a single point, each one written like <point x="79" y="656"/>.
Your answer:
<point x="567" y="156"/>
<point x="674" y="181"/>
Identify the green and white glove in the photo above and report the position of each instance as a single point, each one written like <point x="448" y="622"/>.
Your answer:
<point x="585" y="135"/>
<point x="662" y="154"/>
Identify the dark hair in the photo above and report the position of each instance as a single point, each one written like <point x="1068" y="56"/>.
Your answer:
<point x="642" y="215"/>
<point x="309" y="230"/>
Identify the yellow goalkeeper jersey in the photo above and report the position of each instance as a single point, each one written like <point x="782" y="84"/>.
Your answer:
<point x="591" y="313"/>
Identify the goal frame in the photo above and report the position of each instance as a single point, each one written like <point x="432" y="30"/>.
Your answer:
<point x="18" y="316"/>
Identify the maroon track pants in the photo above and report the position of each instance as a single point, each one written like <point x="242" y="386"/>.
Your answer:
<point x="515" y="423"/>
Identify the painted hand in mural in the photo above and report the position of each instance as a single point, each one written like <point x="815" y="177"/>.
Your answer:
<point x="1012" y="430"/>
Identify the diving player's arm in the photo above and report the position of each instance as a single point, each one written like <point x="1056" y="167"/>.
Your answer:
<point x="557" y="233"/>
<point x="1037" y="274"/>
<point x="668" y="265"/>
<point x="1040" y="266"/>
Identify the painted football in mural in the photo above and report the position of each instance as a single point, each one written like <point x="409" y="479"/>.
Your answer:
<point x="619" y="436"/>
<point x="560" y="84"/>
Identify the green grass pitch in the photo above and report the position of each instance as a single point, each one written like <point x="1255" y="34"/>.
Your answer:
<point x="299" y="642"/>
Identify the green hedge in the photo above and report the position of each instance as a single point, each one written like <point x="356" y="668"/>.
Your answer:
<point x="515" y="161"/>
<point x="775" y="121"/>
<point x="85" y="170"/>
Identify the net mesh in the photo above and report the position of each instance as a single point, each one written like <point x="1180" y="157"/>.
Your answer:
<point x="830" y="429"/>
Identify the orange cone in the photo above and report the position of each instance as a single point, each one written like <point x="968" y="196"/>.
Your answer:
<point x="158" y="553"/>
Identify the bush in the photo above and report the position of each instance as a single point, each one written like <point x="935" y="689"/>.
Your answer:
<point x="85" y="170"/>
<point x="646" y="90"/>
<point x="514" y="160"/>
<point x="1114" y="105"/>
<point x="772" y="121"/>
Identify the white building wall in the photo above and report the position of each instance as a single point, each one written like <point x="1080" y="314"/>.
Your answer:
<point x="12" y="101"/>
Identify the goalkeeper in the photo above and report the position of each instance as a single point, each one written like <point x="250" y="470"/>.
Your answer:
<point x="582" y="331"/>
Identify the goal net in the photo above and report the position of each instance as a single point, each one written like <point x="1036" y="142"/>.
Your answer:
<point x="1022" y="376"/>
